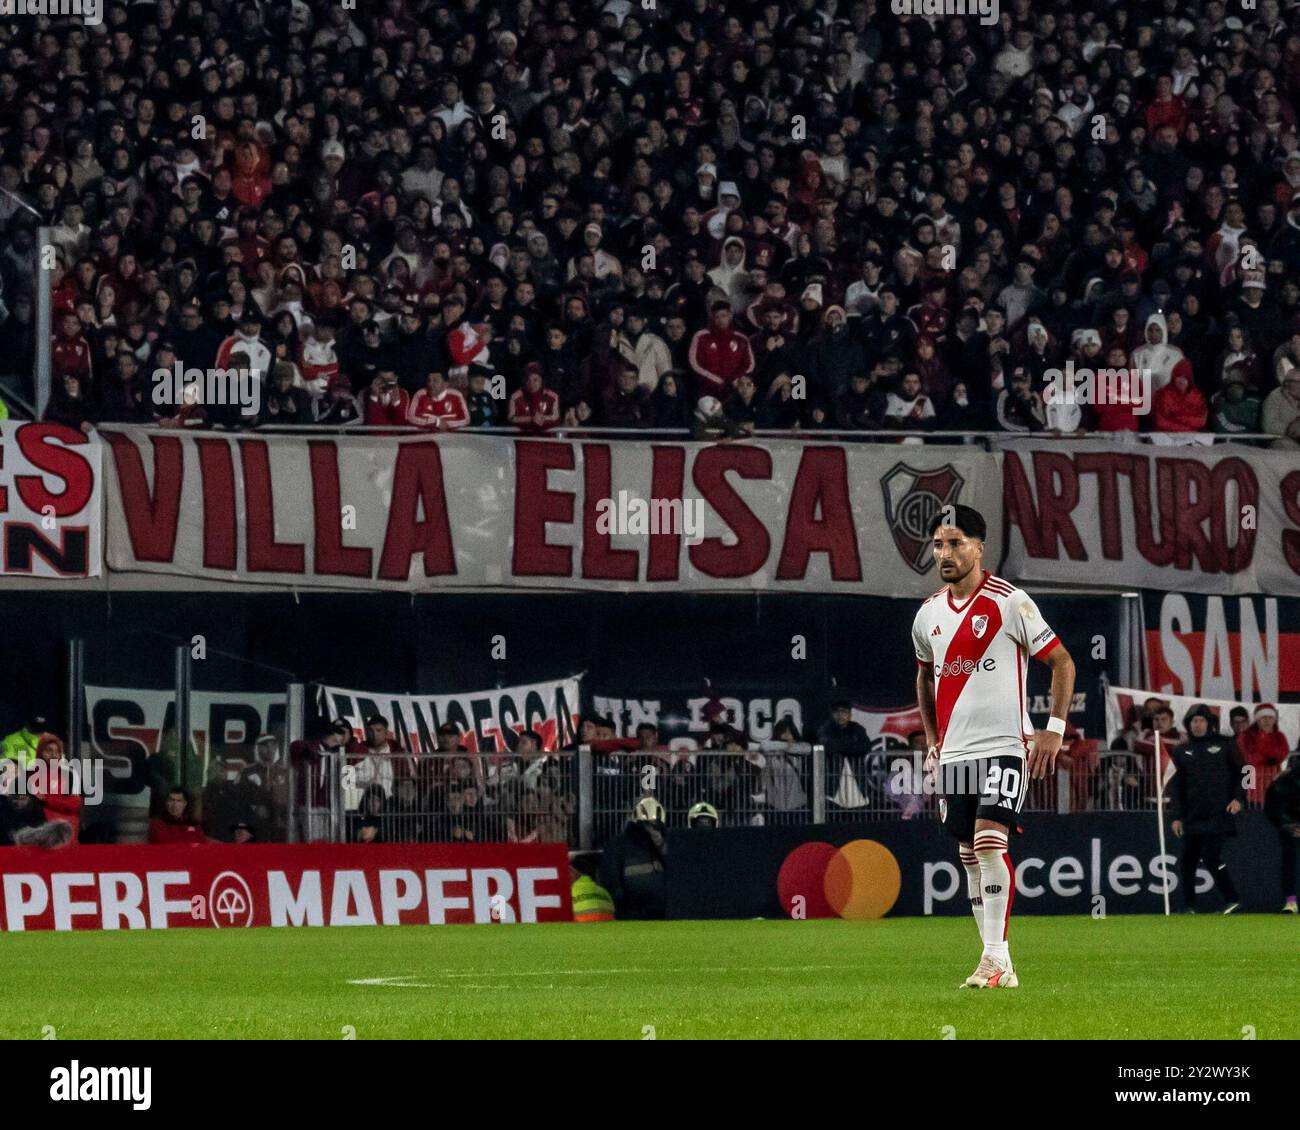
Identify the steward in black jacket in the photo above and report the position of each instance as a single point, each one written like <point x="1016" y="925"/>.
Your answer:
<point x="1206" y="793"/>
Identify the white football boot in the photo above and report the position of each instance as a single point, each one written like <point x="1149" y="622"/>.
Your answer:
<point x="990" y="974"/>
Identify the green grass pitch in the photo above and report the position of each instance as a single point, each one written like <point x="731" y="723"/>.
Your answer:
<point x="1121" y="977"/>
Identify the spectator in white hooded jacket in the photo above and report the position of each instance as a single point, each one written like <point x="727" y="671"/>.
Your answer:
<point x="1157" y="354"/>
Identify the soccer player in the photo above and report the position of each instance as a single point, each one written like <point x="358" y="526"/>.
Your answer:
<point x="973" y="639"/>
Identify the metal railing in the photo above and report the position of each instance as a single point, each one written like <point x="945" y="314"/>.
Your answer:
<point x="584" y="797"/>
<point x="891" y="785"/>
<point x="770" y="783"/>
<point x="837" y="435"/>
<point x="581" y="797"/>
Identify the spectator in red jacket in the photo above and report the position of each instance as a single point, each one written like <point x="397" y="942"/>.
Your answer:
<point x="1166" y="109"/>
<point x="70" y="354"/>
<point x="438" y="405"/>
<point x="719" y="354"/>
<point x="316" y="763"/>
<point x="468" y="342"/>
<point x="246" y="340"/>
<point x="1264" y="747"/>
<point x="56" y="792"/>
<point x="534" y="406"/>
<point x="252" y="172"/>
<point x="1180" y="406"/>
<point x="385" y="403"/>
<point x="1119" y="414"/>
<point x="176" y="825"/>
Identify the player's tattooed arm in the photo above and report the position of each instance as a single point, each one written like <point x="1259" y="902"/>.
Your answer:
<point x="1042" y="756"/>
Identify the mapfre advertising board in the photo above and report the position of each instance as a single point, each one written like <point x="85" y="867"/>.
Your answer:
<point x="475" y="511"/>
<point x="226" y="886"/>
<point x="50" y="505"/>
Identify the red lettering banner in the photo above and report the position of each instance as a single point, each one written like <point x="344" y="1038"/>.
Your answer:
<point x="474" y="511"/>
<point x="50" y="504"/>
<point x="1189" y="518"/>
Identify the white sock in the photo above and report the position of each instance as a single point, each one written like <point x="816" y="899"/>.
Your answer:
<point x="998" y="885"/>
<point x="973" y="886"/>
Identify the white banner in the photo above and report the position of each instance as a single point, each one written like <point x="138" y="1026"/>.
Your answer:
<point x="473" y="511"/>
<point x="1191" y="519"/>
<point x="222" y="724"/>
<point x="483" y="717"/>
<point x="50" y="501"/>
<point x="1121" y="702"/>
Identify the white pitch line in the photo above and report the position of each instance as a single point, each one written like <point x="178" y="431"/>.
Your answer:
<point x="403" y="981"/>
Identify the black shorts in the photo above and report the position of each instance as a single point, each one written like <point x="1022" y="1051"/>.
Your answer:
<point x="982" y="788"/>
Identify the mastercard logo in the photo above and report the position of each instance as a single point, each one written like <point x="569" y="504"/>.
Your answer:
<point x="859" y="880"/>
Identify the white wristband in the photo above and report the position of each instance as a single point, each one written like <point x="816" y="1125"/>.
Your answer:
<point x="1055" y="726"/>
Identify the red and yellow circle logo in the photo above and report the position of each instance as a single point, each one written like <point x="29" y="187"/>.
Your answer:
<point x="859" y="880"/>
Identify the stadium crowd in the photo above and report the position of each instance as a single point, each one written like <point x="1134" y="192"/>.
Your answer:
<point x="1126" y="772"/>
<point x="727" y="215"/>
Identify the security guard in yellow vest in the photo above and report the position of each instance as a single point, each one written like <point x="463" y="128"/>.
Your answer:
<point x="20" y="746"/>
<point x="591" y="902"/>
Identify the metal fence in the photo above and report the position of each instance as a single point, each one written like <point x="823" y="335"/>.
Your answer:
<point x="580" y="797"/>
<point x="434" y="798"/>
<point x="987" y="440"/>
<point x="771" y="783"/>
<point x="583" y="797"/>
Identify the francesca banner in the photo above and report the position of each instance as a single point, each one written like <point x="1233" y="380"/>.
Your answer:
<point x="226" y="886"/>
<point x="473" y="511"/>
<point x="1192" y="519"/>
<point x="1121" y="702"/>
<point x="487" y="720"/>
<point x="50" y="501"/>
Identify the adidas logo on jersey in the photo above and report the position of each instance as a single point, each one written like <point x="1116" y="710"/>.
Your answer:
<point x="935" y="631"/>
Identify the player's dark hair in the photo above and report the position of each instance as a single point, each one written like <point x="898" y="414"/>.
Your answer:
<point x="966" y="518"/>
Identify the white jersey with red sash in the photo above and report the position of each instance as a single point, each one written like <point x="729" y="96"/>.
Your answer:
<point x="979" y="650"/>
